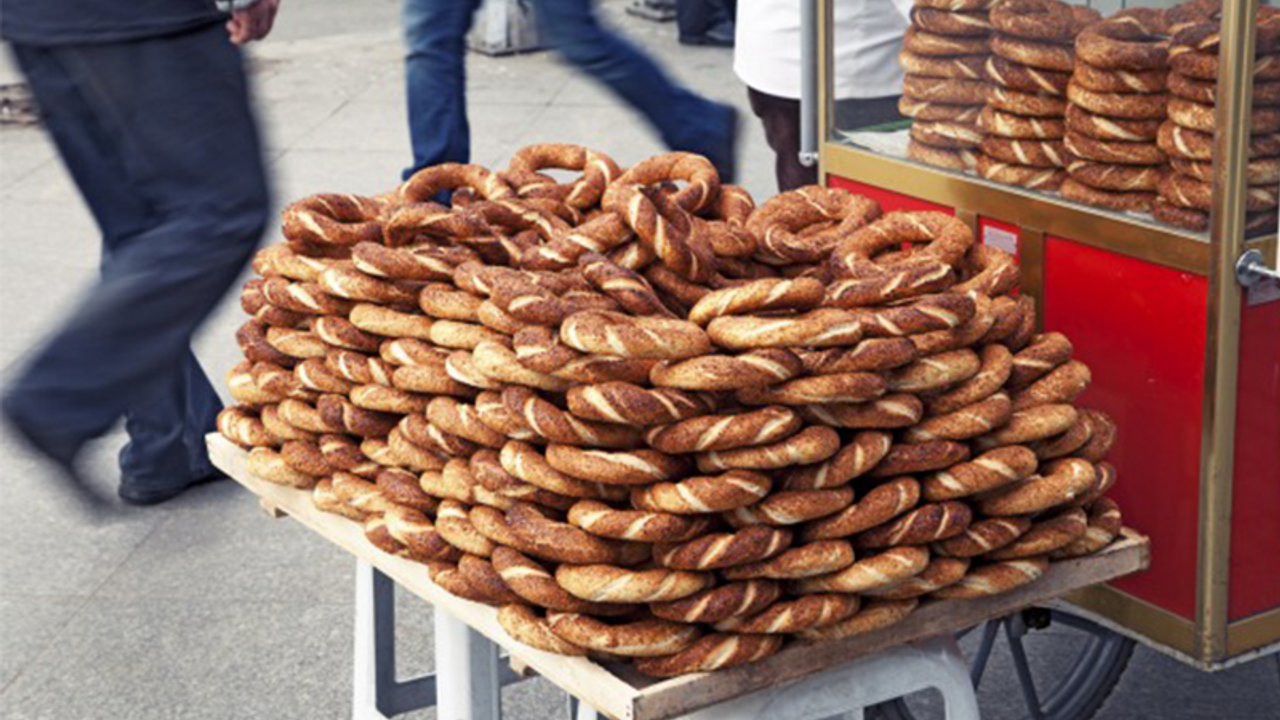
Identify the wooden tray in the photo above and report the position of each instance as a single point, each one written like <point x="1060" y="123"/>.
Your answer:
<point x="618" y="691"/>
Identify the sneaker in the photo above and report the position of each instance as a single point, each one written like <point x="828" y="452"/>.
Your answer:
<point x="719" y="35"/>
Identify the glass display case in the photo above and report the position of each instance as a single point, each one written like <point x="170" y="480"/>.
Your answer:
<point x="1129" y="154"/>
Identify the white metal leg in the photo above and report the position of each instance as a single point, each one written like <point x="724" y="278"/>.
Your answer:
<point x="467" y="677"/>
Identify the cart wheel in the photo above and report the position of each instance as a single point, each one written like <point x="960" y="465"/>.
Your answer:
<point x="1054" y="685"/>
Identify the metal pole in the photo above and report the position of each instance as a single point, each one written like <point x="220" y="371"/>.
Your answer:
<point x="467" y="680"/>
<point x="808" y="82"/>
<point x="1222" y="344"/>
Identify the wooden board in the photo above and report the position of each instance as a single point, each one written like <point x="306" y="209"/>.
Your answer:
<point x="620" y="692"/>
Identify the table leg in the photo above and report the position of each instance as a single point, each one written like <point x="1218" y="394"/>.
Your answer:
<point x="364" y="688"/>
<point x="467" y="677"/>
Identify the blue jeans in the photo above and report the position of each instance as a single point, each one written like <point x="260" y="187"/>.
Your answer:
<point x="160" y="139"/>
<point x="435" y="35"/>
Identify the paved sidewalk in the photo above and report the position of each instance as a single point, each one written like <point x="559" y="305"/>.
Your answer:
<point x="203" y="608"/>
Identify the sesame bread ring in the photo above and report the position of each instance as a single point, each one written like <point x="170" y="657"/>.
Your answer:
<point x="598" y="170"/>
<point x="666" y="229"/>
<point x="408" y="454"/>
<point x="333" y="219"/>
<point x="424" y="264"/>
<point x="1065" y="443"/>
<point x="540" y="349"/>
<point x="1033" y="153"/>
<point x="989" y="471"/>
<point x="385" y="399"/>
<point x="1198" y="116"/>
<point x="636" y="525"/>
<point x="869" y="355"/>
<point x="725" y="432"/>
<point x="874" y="615"/>
<point x="792" y="507"/>
<point x="995" y="366"/>
<point x="455" y="526"/>
<point x="1045" y="536"/>
<point x="640" y="638"/>
<point x="532" y="582"/>
<point x="628" y="404"/>
<point x="1008" y="313"/>
<point x="1026" y="104"/>
<point x="796" y="615"/>
<point x="385" y="321"/>
<point x="920" y="457"/>
<point x="1116" y="178"/>
<point x="609" y="333"/>
<point x="796" y="226"/>
<point x="1108" y="199"/>
<point x="947" y="135"/>
<point x="935" y="372"/>
<point x="994" y="578"/>
<point x="1188" y="192"/>
<point x="401" y="487"/>
<point x="925" y="524"/>
<point x="811" y="445"/>
<point x="960" y="160"/>
<point x="1170" y="214"/>
<point x="1104" y="525"/>
<point x="1117" y="80"/>
<point x="415" y="532"/>
<point x="875" y="571"/>
<point x="623" y="467"/>
<point x="354" y="419"/>
<point x="499" y="363"/>
<point x="1042" y="179"/>
<point x="951" y="23"/>
<point x="462" y="420"/>
<point x="1030" y="424"/>
<point x="1045" y="352"/>
<point x="994" y="271"/>
<point x="450" y="579"/>
<point x="735" y="599"/>
<point x="926" y="43"/>
<point x="1182" y="142"/>
<point x="763" y="295"/>
<point x="825" y="327"/>
<point x="1204" y="65"/>
<point x="359" y="368"/>
<point x="297" y="344"/>
<point x="282" y="260"/>
<point x="627" y="287"/>
<point x="1036" y="19"/>
<point x="879" y="505"/>
<point x="879" y="284"/>
<point x="963" y="67"/>
<point x="1206" y="91"/>
<point x="479" y="574"/>
<point x="268" y="464"/>
<point x="524" y="625"/>
<point x="1042" y="55"/>
<point x="464" y="335"/>
<point x="1260" y="171"/>
<point x="713" y="652"/>
<point x="756" y="368"/>
<point x="853" y="460"/>
<point x="606" y="583"/>
<point x="557" y="426"/>
<point x="941" y="572"/>
<point x="527" y="463"/>
<point x="460" y="367"/>
<point x="1130" y="42"/>
<point x="346" y="282"/>
<point x="245" y="390"/>
<point x="1120" y="105"/>
<point x="1059" y="482"/>
<point x="983" y="536"/>
<point x="495" y="318"/>
<point x="1061" y="385"/>
<point x="1101" y="438"/>
<point x="885" y="413"/>
<point x="816" y="558"/>
<point x="561" y="542"/>
<point x="491" y="522"/>
<point x="360" y="494"/>
<point x="344" y="453"/>
<point x="715" y="551"/>
<point x="702" y="183"/>
<point x="854" y="387"/>
<point x="941" y="236"/>
<point x="306" y="298"/>
<point x="703" y="494"/>
<point x="955" y="5"/>
<point x="921" y="110"/>
<point x="431" y="380"/>
<point x="454" y="482"/>
<point x="970" y="421"/>
<point x="951" y="91"/>
<point x="1024" y="78"/>
<point x="1007" y="125"/>
<point x="280" y="430"/>
<point x="944" y="311"/>
<point x="488" y="471"/>
<point x="430" y="181"/>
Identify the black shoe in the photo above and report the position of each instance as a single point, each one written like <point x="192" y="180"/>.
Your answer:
<point x="720" y="35"/>
<point x="143" y="497"/>
<point x="62" y="453"/>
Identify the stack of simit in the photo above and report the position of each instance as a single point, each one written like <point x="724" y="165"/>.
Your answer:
<point x="1030" y="68"/>
<point x="944" y="89"/>
<point x="655" y="424"/>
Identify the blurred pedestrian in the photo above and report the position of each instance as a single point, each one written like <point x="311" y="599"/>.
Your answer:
<point x="867" y="78"/>
<point x="148" y="105"/>
<point x="435" y="74"/>
<point x="706" y="22"/>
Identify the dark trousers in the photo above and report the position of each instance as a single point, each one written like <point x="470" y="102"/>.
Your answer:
<point x="435" y="73"/>
<point x="160" y="139"/>
<point x="696" y="17"/>
<point x="781" y="119"/>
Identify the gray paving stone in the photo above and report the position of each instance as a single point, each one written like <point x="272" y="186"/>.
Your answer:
<point x="30" y="625"/>
<point x="24" y="149"/>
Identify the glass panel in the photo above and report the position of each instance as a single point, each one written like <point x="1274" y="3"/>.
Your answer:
<point x="1105" y="103"/>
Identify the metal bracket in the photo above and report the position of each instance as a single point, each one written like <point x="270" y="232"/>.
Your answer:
<point x="1252" y="270"/>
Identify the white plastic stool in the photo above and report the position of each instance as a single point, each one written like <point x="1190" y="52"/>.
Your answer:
<point x="845" y="691"/>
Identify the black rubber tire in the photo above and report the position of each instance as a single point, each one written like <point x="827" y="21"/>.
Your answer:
<point x="1090" y="681"/>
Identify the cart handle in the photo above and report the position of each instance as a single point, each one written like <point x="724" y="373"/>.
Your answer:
<point x="808" y="155"/>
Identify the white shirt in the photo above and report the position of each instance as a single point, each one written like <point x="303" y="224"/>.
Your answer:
<point x="867" y="38"/>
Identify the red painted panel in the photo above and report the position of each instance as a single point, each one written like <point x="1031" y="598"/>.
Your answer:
<point x="1255" y="503"/>
<point x="888" y="199"/>
<point x="1141" y="328"/>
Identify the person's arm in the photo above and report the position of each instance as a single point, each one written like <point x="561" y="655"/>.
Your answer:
<point x="250" y="19"/>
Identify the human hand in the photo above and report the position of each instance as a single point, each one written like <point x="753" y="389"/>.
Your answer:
<point x="252" y="23"/>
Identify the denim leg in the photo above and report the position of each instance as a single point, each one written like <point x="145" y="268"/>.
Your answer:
<point x="160" y="138"/>
<point x="436" y="80"/>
